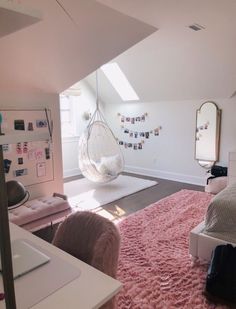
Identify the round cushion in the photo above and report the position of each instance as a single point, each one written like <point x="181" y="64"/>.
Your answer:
<point x="215" y="185"/>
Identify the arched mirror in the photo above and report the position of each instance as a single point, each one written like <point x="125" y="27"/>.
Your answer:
<point x="207" y="134"/>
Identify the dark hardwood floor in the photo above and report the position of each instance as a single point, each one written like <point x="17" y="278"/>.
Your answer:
<point x="131" y="203"/>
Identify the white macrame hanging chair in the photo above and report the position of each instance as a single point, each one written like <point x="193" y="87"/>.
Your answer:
<point x="100" y="156"/>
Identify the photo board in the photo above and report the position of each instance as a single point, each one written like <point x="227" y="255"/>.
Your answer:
<point x="29" y="162"/>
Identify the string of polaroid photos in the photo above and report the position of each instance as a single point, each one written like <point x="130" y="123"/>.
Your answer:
<point x="201" y="128"/>
<point x="137" y="134"/>
<point x="135" y="146"/>
<point x="132" y="120"/>
<point x="134" y="133"/>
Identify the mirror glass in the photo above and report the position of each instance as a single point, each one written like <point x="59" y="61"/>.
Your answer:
<point x="207" y="134"/>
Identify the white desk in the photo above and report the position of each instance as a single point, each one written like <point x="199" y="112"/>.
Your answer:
<point x="90" y="290"/>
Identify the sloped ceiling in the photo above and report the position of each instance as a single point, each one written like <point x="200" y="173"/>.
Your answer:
<point x="53" y="54"/>
<point x="177" y="63"/>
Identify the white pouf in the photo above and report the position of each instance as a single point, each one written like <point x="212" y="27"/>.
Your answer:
<point x="215" y="185"/>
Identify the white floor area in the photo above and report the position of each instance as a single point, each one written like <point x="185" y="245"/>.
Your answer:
<point x="85" y="195"/>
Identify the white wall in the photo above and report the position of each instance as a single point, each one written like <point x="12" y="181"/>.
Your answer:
<point x="83" y="103"/>
<point x="36" y="101"/>
<point x="171" y="154"/>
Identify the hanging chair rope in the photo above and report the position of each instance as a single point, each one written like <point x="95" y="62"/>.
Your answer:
<point x="100" y="157"/>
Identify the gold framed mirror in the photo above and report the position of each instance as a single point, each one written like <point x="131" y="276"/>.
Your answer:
<point x="207" y="134"/>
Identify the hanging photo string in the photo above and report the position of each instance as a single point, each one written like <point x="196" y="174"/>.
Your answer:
<point x="200" y="129"/>
<point x="134" y="146"/>
<point x="136" y="134"/>
<point x="132" y="120"/>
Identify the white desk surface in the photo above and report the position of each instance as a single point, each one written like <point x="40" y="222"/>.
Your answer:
<point x="90" y="290"/>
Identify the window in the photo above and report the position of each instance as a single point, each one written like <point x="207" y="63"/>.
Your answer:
<point x="68" y="123"/>
<point x="119" y="81"/>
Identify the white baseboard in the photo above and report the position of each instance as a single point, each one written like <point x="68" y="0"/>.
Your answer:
<point x="71" y="173"/>
<point x="152" y="173"/>
<point x="166" y="175"/>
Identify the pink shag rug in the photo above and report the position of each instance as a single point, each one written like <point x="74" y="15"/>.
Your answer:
<point x="155" y="267"/>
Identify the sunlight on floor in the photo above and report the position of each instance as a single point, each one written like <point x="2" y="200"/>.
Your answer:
<point x="115" y="215"/>
<point x="86" y="198"/>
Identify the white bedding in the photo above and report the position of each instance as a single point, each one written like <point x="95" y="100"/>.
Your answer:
<point x="220" y="220"/>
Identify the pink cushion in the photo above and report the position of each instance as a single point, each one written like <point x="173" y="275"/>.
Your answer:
<point x="37" y="209"/>
<point x="46" y="221"/>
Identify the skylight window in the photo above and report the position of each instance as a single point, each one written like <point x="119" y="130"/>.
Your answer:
<point x="119" y="81"/>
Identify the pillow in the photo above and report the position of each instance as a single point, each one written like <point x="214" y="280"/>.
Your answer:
<point x="215" y="185"/>
<point x="221" y="213"/>
<point x="110" y="165"/>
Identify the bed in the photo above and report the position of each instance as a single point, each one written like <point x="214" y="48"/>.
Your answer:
<point x="219" y="226"/>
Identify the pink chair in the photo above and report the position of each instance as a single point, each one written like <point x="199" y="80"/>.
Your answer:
<point x="93" y="239"/>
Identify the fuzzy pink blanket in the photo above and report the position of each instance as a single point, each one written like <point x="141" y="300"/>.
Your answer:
<point x="155" y="267"/>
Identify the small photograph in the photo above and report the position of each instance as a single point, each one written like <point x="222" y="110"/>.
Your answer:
<point x="137" y="118"/>
<point x="20" y="161"/>
<point x="206" y="126"/>
<point x="135" y="134"/>
<point x="127" y="119"/>
<point x="131" y="134"/>
<point x="30" y="126"/>
<point x="18" y="148"/>
<point x="6" y="148"/>
<point x="156" y="132"/>
<point x="122" y="119"/>
<point x="135" y="147"/>
<point x="41" y="123"/>
<point x="19" y="124"/>
<point x="41" y="169"/>
<point x="143" y="118"/>
<point x="121" y="143"/>
<point x="146" y="134"/>
<point x="7" y="165"/>
<point x="47" y="153"/>
<point x="140" y="146"/>
<point x="132" y="120"/>
<point x="141" y="134"/>
<point x="126" y="131"/>
<point x="130" y="145"/>
<point x="21" y="172"/>
<point x="39" y="154"/>
<point x="25" y="147"/>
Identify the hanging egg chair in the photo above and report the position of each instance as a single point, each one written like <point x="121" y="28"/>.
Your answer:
<point x="100" y="157"/>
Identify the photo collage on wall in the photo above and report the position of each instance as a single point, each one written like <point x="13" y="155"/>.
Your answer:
<point x="27" y="161"/>
<point x="136" y="144"/>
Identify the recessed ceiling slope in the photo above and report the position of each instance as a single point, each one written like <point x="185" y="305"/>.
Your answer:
<point x="56" y="53"/>
<point x="177" y="63"/>
<point x="14" y="16"/>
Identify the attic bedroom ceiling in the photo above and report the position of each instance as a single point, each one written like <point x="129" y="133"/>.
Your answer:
<point x="55" y="53"/>
<point x="176" y="62"/>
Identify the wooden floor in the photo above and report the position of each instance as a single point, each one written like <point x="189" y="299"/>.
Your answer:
<point x="132" y="203"/>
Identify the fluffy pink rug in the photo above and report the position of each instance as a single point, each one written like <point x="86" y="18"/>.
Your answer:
<point x="155" y="267"/>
